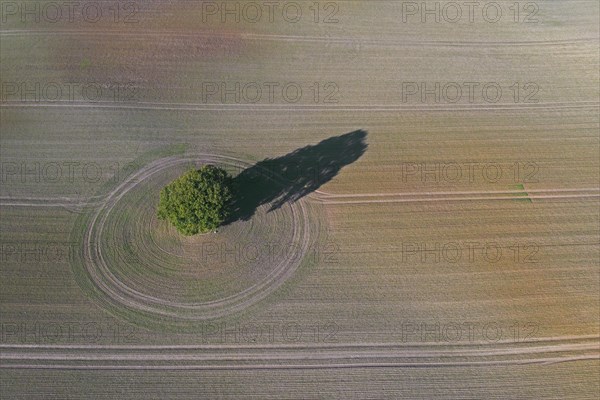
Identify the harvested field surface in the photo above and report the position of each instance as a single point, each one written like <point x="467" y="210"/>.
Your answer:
<point x="419" y="212"/>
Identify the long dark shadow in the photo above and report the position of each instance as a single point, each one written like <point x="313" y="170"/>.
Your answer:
<point x="276" y="181"/>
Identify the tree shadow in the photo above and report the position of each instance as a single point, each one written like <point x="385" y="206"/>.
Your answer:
<point x="276" y="181"/>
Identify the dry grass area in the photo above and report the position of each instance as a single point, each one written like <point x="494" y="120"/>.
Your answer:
<point x="456" y="257"/>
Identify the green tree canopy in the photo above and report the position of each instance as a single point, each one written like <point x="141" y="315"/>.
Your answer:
<point x="197" y="201"/>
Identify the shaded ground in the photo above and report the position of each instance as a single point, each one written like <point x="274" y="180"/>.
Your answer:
<point x="294" y="175"/>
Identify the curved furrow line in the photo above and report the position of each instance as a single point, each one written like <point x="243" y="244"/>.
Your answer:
<point x="110" y="285"/>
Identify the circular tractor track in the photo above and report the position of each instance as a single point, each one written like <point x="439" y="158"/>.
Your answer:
<point x="113" y="290"/>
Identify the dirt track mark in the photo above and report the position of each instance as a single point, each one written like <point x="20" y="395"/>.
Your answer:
<point x="119" y="293"/>
<point x="304" y="107"/>
<point x="296" y="38"/>
<point x="288" y="357"/>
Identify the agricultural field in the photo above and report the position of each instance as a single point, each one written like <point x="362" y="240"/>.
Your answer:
<point x="421" y="209"/>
